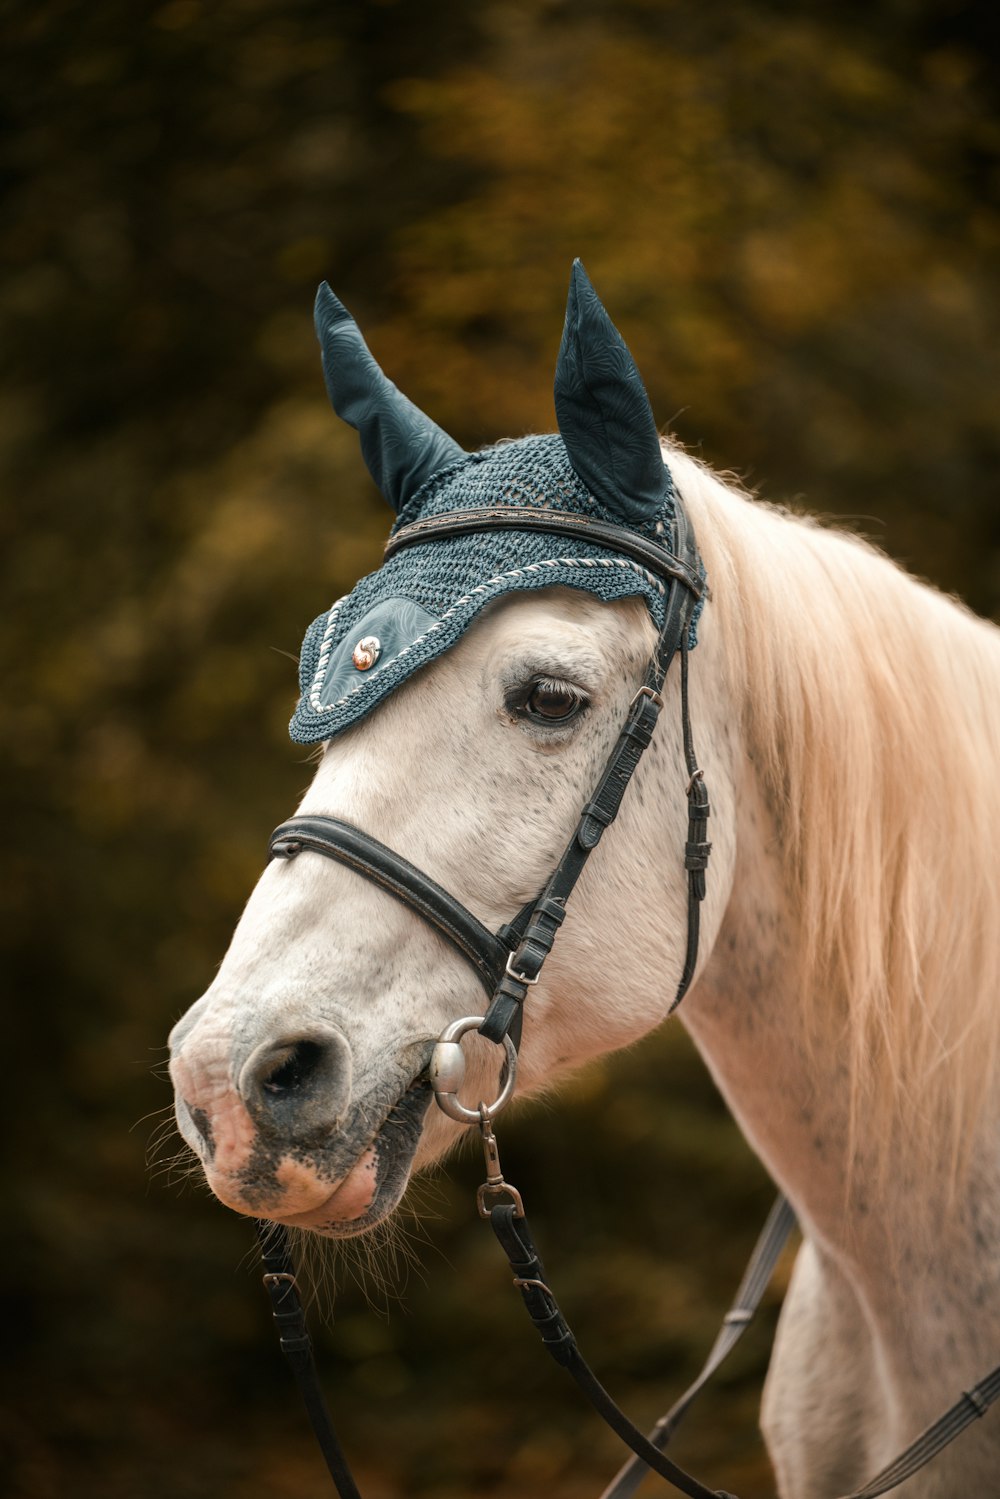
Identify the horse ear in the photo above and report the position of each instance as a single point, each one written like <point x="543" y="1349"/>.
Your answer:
<point x="603" y="410"/>
<point x="401" y="446"/>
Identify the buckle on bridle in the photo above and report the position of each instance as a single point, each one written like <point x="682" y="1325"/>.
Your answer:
<point x="522" y="978"/>
<point x="274" y="1278"/>
<point x="646" y="691"/>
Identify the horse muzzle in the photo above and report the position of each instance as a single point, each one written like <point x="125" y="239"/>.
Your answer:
<point x="278" y="1132"/>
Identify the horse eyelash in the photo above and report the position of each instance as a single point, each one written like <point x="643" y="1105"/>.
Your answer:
<point x="558" y="684"/>
<point x="517" y="697"/>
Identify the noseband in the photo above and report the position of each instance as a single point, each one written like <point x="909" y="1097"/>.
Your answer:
<point x="508" y="962"/>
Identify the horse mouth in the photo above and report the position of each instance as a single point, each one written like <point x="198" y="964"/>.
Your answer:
<point x="377" y="1180"/>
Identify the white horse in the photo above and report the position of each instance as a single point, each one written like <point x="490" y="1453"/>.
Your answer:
<point x="847" y="997"/>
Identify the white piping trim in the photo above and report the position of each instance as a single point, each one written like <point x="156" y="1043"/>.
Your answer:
<point x="326" y="645"/>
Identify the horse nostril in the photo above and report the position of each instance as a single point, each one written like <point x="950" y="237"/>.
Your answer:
<point x="298" y="1085"/>
<point x="203" y="1125"/>
<point x="293" y="1069"/>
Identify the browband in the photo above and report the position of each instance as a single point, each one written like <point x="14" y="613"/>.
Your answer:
<point x="560" y="523"/>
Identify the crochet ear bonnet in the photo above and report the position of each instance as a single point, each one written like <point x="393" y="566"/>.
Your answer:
<point x="605" y="463"/>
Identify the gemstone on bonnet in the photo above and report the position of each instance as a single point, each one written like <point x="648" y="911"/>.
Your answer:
<point x="366" y="652"/>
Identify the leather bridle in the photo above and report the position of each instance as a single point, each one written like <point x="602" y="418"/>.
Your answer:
<point x="508" y="963"/>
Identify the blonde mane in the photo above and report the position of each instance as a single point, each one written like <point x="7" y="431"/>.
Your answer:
<point x="870" y="704"/>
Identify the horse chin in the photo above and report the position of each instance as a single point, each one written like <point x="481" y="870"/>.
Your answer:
<point x="377" y="1181"/>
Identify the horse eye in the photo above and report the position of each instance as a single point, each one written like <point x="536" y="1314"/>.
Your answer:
<point x="553" y="702"/>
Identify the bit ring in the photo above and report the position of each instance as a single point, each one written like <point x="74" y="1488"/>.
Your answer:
<point x="447" y="1073"/>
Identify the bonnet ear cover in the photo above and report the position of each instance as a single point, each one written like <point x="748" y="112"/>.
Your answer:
<point x="603" y="411"/>
<point x="401" y="446"/>
<point x="604" y="464"/>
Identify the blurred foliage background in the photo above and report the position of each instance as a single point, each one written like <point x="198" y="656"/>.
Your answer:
<point x="791" y="210"/>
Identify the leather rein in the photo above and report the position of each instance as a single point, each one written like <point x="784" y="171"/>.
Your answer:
<point x="508" y="963"/>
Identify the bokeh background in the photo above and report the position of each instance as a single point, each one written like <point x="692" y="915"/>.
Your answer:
<point x="791" y="210"/>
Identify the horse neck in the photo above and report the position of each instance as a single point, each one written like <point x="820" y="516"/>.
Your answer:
<point x="868" y="1161"/>
<point x="904" y="1236"/>
<point x="790" y="1095"/>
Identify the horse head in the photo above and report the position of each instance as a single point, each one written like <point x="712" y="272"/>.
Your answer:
<point x="502" y="661"/>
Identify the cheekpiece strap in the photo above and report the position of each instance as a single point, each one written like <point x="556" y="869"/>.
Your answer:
<point x="525" y="964"/>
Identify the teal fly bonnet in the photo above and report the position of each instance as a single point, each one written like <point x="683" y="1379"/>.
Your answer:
<point x="605" y="464"/>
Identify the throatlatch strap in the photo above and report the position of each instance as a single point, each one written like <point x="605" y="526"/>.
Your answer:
<point x="697" y="848"/>
<point x="293" y="1338"/>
